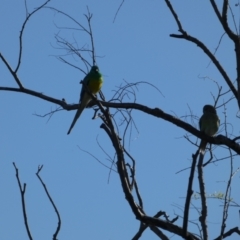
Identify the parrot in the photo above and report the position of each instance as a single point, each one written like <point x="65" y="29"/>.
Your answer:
<point x="208" y="123"/>
<point x="93" y="81"/>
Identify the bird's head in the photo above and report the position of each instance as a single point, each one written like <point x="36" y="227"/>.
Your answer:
<point x="209" y="109"/>
<point x="95" y="69"/>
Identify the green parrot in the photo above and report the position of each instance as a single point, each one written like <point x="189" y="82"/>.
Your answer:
<point x="93" y="81"/>
<point x="208" y="123"/>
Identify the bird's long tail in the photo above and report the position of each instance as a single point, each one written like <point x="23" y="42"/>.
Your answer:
<point x="86" y="99"/>
<point x="202" y="147"/>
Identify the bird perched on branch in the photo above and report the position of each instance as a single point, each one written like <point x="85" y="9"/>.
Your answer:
<point x="92" y="82"/>
<point x="208" y="123"/>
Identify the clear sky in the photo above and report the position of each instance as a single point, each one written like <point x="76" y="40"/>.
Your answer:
<point x="136" y="47"/>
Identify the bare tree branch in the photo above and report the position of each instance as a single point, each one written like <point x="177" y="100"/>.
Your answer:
<point x="212" y="57"/>
<point x="229" y="233"/>
<point x="189" y="193"/>
<point x="82" y="28"/>
<point x="188" y="37"/>
<point x="22" y="191"/>
<point x="204" y="211"/>
<point x="152" y="111"/>
<point x="118" y="10"/>
<point x="121" y="165"/>
<point x="52" y="202"/>
<point x="223" y="18"/>
<point x="234" y="37"/>
<point x="23" y="27"/>
<point x="89" y="17"/>
<point x="62" y="103"/>
<point x="159" y="233"/>
<point x="14" y="74"/>
<point x="143" y="227"/>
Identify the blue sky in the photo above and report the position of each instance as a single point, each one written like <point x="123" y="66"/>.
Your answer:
<point x="136" y="47"/>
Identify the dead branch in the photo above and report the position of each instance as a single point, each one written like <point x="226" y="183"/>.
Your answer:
<point x="204" y="211"/>
<point x="189" y="193"/>
<point x="186" y="36"/>
<point x="22" y="191"/>
<point x="28" y="16"/>
<point x="51" y="201"/>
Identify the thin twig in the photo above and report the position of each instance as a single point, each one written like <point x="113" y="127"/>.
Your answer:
<point x="118" y="10"/>
<point x="52" y="202"/>
<point x="22" y="191"/>
<point x="89" y="17"/>
<point x="22" y="30"/>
